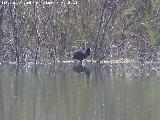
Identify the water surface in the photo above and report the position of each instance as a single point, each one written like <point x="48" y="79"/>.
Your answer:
<point x="72" y="92"/>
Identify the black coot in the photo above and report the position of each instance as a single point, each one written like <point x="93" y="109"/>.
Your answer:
<point x="81" y="54"/>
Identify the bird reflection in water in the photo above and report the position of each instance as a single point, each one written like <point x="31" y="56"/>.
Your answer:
<point x="81" y="69"/>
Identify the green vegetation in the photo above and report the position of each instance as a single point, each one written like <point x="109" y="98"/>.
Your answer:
<point x="46" y="31"/>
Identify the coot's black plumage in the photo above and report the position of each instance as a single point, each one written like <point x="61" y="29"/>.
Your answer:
<point x="81" y="54"/>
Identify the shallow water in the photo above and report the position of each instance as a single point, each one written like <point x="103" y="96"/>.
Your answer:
<point x="72" y="92"/>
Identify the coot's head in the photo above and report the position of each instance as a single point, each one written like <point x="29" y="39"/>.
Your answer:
<point x="88" y="51"/>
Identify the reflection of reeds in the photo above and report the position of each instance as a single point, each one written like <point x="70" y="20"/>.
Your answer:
<point x="113" y="91"/>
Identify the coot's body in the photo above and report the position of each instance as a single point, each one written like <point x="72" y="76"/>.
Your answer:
<point x="81" y="54"/>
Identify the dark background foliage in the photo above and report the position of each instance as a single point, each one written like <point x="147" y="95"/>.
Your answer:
<point x="49" y="30"/>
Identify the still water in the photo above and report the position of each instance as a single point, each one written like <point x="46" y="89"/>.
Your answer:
<point x="72" y="92"/>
